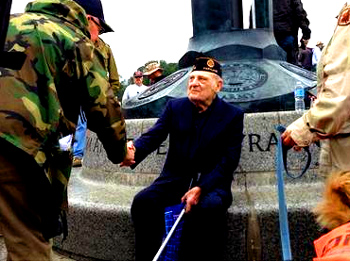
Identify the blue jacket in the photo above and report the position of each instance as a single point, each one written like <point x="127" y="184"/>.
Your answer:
<point x="215" y="155"/>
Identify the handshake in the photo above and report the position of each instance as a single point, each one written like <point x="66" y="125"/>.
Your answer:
<point x="129" y="158"/>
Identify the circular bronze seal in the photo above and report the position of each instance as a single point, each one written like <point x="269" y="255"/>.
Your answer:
<point x="243" y="77"/>
<point x="210" y="63"/>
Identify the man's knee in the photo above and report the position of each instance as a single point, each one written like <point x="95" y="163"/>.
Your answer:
<point x="143" y="199"/>
<point x="146" y="202"/>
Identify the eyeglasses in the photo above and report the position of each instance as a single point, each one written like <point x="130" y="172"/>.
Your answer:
<point x="137" y="76"/>
<point x="100" y="28"/>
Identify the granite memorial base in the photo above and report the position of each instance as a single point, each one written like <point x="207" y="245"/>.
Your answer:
<point x="100" y="195"/>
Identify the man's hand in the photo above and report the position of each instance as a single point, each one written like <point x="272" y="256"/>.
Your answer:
<point x="191" y="198"/>
<point x="287" y="139"/>
<point x="130" y="155"/>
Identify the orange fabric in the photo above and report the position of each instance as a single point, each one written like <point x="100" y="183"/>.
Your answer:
<point x="335" y="245"/>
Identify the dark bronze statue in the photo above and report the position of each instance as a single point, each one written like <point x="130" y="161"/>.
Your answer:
<point x="256" y="75"/>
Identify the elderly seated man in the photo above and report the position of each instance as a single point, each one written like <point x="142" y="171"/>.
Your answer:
<point x="205" y="136"/>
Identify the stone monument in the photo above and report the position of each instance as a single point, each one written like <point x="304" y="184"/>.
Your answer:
<point x="256" y="75"/>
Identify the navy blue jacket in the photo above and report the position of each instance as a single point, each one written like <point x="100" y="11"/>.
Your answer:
<point x="215" y="156"/>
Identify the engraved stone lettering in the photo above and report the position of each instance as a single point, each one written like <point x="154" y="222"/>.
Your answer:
<point x="254" y="139"/>
<point x="272" y="141"/>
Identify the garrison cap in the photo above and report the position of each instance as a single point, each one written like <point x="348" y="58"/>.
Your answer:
<point x="94" y="8"/>
<point x="207" y="64"/>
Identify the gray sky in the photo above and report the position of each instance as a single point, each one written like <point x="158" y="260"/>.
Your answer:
<point x="160" y="29"/>
<point x="321" y="14"/>
<point x="147" y="30"/>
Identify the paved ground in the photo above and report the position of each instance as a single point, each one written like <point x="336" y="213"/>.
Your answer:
<point x="56" y="257"/>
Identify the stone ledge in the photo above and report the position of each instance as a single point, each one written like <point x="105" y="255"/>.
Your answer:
<point x="126" y="178"/>
<point x="258" y="149"/>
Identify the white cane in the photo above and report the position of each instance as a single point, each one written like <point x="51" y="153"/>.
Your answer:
<point x="165" y="242"/>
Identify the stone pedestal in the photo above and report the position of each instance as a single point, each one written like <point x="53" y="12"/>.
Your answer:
<point x="100" y="195"/>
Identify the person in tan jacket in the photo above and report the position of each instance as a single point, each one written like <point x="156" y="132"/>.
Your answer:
<point x="328" y="119"/>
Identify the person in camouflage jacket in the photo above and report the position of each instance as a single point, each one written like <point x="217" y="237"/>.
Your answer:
<point x="96" y="28"/>
<point x="39" y="104"/>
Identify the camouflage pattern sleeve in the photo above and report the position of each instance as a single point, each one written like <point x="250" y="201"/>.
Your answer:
<point x="110" y="65"/>
<point x="113" y="72"/>
<point x="103" y="110"/>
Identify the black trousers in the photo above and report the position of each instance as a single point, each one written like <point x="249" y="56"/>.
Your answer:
<point x="204" y="231"/>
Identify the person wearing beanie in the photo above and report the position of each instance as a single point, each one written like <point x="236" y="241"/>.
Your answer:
<point x="39" y="106"/>
<point x="196" y="126"/>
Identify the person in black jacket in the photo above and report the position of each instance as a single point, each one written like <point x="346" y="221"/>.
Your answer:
<point x="205" y="136"/>
<point x="288" y="17"/>
<point x="305" y="55"/>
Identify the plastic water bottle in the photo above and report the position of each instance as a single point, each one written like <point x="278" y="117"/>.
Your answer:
<point x="299" y="93"/>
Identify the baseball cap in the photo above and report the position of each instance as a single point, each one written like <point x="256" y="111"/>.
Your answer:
<point x="94" y="8"/>
<point x="138" y="73"/>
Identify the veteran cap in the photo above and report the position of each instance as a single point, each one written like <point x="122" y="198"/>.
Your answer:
<point x="207" y="64"/>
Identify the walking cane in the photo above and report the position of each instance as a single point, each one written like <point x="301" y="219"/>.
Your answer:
<point x="283" y="213"/>
<point x="166" y="240"/>
<point x="281" y="156"/>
